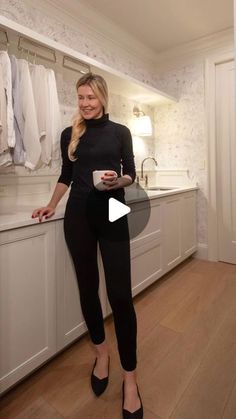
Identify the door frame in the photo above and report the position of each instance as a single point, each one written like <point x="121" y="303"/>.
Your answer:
<point x="210" y="106"/>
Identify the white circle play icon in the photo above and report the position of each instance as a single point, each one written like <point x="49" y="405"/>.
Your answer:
<point x="117" y="210"/>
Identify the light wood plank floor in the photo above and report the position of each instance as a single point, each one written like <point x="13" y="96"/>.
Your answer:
<point x="186" y="354"/>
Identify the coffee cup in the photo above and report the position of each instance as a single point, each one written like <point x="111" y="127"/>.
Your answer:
<point x="97" y="179"/>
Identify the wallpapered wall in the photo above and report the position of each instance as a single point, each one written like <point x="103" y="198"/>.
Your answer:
<point x="180" y="133"/>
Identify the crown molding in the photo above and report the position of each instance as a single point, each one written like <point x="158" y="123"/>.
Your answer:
<point x="97" y="27"/>
<point x="194" y="51"/>
<point x="81" y="17"/>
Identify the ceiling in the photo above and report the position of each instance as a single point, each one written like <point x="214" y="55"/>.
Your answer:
<point x="164" y="24"/>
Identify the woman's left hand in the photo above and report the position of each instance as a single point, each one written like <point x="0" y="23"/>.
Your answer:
<point x="112" y="181"/>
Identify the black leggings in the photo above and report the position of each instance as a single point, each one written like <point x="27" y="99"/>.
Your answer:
<point x="85" y="225"/>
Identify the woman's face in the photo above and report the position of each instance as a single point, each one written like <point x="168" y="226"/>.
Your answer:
<point x="89" y="105"/>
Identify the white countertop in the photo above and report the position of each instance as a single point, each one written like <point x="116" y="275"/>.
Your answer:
<point x="21" y="217"/>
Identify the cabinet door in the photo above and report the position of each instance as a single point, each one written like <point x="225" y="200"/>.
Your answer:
<point x="188" y="222"/>
<point x="70" y="321"/>
<point x="146" y="248"/>
<point x="171" y="211"/>
<point x="27" y="301"/>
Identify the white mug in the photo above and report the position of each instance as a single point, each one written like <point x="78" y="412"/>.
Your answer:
<point x="97" y="181"/>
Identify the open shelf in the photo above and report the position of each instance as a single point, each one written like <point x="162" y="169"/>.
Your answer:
<point x="118" y="82"/>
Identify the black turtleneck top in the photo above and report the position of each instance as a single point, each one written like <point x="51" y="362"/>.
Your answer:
<point x="105" y="145"/>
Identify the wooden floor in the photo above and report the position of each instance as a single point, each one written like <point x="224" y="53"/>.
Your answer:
<point x="186" y="353"/>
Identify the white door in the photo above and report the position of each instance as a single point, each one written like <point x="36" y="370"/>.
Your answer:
<point x="226" y="161"/>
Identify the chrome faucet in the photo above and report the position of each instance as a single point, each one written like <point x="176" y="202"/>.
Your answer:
<point x="146" y="176"/>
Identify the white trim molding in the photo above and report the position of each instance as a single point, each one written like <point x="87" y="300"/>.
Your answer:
<point x="202" y="251"/>
<point x="194" y="51"/>
<point x="210" y="102"/>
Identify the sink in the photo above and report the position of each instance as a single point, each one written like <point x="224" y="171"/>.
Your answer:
<point x="160" y="188"/>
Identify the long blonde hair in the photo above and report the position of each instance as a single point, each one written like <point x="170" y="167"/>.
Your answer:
<point x="99" y="88"/>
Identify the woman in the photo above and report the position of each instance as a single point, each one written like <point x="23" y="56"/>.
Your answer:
<point x="96" y="143"/>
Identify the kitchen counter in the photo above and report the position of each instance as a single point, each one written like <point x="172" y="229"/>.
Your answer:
<point x="22" y="215"/>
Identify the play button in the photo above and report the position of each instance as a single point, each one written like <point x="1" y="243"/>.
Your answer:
<point x="117" y="210"/>
<point x="109" y="213"/>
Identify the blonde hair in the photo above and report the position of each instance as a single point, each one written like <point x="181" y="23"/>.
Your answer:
<point x="99" y="88"/>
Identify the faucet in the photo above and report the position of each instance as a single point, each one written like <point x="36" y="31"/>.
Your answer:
<point x="146" y="176"/>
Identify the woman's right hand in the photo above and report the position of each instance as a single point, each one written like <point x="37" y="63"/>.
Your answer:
<point x="46" y="212"/>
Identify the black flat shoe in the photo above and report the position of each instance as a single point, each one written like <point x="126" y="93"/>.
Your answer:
<point x="99" y="385"/>
<point x="138" y="414"/>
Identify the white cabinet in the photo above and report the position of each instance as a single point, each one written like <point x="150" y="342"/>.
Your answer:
<point x="168" y="238"/>
<point x="27" y="301"/>
<point x="147" y="247"/>
<point x="171" y="209"/>
<point x="188" y="223"/>
<point x="40" y="310"/>
<point x="179" y="225"/>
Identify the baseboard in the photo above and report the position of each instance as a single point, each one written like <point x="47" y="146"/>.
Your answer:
<point x="202" y="251"/>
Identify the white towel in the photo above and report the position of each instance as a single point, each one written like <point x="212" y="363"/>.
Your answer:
<point x="54" y="123"/>
<point x="41" y="97"/>
<point x="7" y="80"/>
<point x="31" y="132"/>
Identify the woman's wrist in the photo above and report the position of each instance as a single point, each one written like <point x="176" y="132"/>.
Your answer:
<point x="52" y="205"/>
<point x="127" y="180"/>
<point x="116" y="182"/>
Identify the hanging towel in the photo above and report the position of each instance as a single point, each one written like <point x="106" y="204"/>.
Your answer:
<point x="19" y="151"/>
<point x="3" y="115"/>
<point x="5" y="155"/>
<point x="31" y="139"/>
<point x="41" y="97"/>
<point x="7" y="82"/>
<point x="54" y="123"/>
